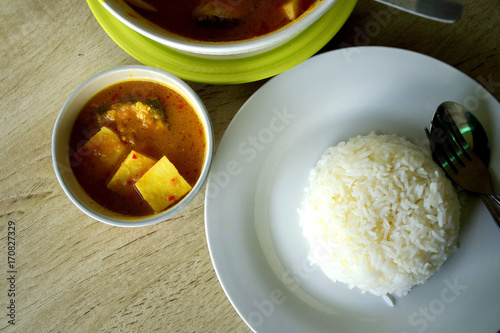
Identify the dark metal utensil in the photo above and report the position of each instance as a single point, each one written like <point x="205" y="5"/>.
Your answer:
<point x="460" y="146"/>
<point x="438" y="10"/>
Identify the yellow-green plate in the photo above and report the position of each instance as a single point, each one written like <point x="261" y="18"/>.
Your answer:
<point x="225" y="71"/>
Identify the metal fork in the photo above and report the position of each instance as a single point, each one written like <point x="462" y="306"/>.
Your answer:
<point x="452" y="152"/>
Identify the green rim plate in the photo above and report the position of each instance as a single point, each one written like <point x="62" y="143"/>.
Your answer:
<point x="225" y="71"/>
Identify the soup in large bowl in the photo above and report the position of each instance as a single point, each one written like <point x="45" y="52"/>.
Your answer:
<point x="221" y="28"/>
<point x="222" y="20"/>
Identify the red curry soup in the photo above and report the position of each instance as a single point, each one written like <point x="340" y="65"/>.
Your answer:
<point x="137" y="147"/>
<point x="221" y="20"/>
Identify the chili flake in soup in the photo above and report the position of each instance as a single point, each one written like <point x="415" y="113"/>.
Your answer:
<point x="221" y="20"/>
<point x="137" y="131"/>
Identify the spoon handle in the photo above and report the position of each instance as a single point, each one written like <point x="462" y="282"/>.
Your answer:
<point x="438" y="10"/>
<point x="492" y="202"/>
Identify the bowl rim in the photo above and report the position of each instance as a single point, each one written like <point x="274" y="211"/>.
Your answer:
<point x="241" y="48"/>
<point x="180" y="87"/>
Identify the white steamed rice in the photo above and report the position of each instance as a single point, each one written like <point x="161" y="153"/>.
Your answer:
<point x="379" y="214"/>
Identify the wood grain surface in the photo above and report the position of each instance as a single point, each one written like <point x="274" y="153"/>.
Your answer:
<point x="75" y="274"/>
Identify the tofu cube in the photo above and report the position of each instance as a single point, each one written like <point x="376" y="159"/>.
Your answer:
<point x="100" y="156"/>
<point x="291" y="9"/>
<point x="162" y="185"/>
<point x="130" y="171"/>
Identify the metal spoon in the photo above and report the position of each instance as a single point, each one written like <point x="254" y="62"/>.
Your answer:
<point x="473" y="137"/>
<point x="438" y="10"/>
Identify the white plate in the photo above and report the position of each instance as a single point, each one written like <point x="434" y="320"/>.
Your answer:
<point x="262" y="166"/>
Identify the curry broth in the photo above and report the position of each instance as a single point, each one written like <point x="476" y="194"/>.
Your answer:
<point x="182" y="140"/>
<point x="237" y="20"/>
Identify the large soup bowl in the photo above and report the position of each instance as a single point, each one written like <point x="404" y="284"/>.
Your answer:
<point x="237" y="49"/>
<point x="64" y="125"/>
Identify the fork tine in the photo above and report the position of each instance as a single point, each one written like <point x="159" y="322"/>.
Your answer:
<point x="439" y="154"/>
<point x="457" y="135"/>
<point x="444" y="147"/>
<point x="448" y="139"/>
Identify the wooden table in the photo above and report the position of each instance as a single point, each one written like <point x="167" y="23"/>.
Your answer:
<point x="74" y="274"/>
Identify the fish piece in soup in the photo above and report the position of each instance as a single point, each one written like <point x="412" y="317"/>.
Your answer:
<point x="129" y="116"/>
<point x="221" y="13"/>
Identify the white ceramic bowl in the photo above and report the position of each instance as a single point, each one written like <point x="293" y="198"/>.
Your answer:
<point x="66" y="119"/>
<point x="123" y="12"/>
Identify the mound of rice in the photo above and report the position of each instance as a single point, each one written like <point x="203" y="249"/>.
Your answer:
<point x="379" y="214"/>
